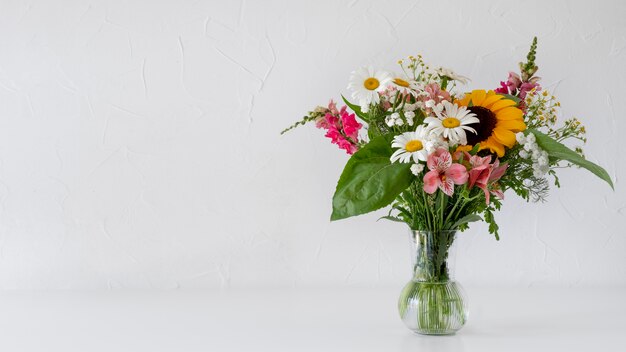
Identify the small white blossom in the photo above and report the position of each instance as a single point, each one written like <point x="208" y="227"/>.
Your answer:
<point x="521" y="138"/>
<point x="416" y="169"/>
<point x="409" y="114"/>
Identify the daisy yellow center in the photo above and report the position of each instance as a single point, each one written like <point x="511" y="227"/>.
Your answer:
<point x="371" y="83"/>
<point x="401" y="82"/>
<point x="413" y="146"/>
<point x="451" y="122"/>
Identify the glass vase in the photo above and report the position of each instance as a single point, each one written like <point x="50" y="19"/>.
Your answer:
<point x="432" y="303"/>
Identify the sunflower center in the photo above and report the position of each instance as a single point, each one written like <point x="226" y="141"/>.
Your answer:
<point x="371" y="83"/>
<point x="484" y="128"/>
<point x="413" y="146"/>
<point x="401" y="82"/>
<point x="451" y="122"/>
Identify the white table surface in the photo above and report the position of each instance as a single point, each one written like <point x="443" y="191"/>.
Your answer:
<point x="357" y="319"/>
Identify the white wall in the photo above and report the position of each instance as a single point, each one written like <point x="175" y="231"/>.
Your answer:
<point x="139" y="142"/>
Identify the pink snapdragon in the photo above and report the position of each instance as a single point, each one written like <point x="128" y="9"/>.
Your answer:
<point x="515" y="86"/>
<point x="443" y="174"/>
<point x="342" y="128"/>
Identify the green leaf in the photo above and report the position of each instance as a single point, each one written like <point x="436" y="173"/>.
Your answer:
<point x="561" y="152"/>
<point x="355" y="108"/>
<point x="512" y="97"/>
<point x="391" y="218"/>
<point x="369" y="180"/>
<point x="466" y="219"/>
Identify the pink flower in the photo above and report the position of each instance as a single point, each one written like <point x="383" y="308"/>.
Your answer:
<point x="483" y="173"/>
<point x="332" y="106"/>
<point x="433" y="94"/>
<point x="515" y="86"/>
<point x="503" y="89"/>
<point x="350" y="126"/>
<point x="342" y="128"/>
<point x="443" y="173"/>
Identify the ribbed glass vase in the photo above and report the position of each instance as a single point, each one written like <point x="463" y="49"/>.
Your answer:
<point x="432" y="303"/>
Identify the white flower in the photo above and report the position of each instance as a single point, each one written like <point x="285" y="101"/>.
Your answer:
<point x="416" y="169"/>
<point x="394" y="119"/>
<point x="529" y="147"/>
<point x="365" y="83"/>
<point x="409" y="115"/>
<point x="531" y="138"/>
<point x="404" y="84"/>
<point x="521" y="138"/>
<point x="430" y="104"/>
<point x="524" y="154"/>
<point x="451" y="122"/>
<point x="414" y="145"/>
<point x="441" y="71"/>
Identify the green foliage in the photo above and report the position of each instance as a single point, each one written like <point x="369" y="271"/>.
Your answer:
<point x="369" y="180"/>
<point x="561" y="152"/>
<point x="318" y="113"/>
<point x="529" y="67"/>
<point x="355" y="108"/>
<point x="466" y="219"/>
<point x="493" y="226"/>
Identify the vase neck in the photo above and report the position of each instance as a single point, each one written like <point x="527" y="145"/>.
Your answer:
<point x="432" y="255"/>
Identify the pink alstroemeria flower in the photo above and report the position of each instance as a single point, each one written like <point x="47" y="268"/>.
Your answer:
<point x="483" y="173"/>
<point x="443" y="173"/>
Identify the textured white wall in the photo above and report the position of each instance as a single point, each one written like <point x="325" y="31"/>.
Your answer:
<point x="139" y="142"/>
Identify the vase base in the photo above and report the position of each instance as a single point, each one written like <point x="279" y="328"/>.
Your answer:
<point x="430" y="308"/>
<point x="434" y="333"/>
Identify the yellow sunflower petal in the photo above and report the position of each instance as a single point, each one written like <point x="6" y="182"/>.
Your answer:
<point x="464" y="101"/>
<point x="491" y="99"/>
<point x="502" y="104"/>
<point x="509" y="113"/>
<point x="478" y="96"/>
<point x="504" y="136"/>
<point x="493" y="146"/>
<point x="512" y="125"/>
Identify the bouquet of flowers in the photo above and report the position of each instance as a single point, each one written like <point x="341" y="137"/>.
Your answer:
<point x="441" y="157"/>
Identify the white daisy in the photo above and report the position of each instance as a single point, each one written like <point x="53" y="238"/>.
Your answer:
<point x="441" y="71"/>
<point x="404" y="84"/>
<point x="451" y="122"/>
<point x="365" y="84"/>
<point x="413" y="145"/>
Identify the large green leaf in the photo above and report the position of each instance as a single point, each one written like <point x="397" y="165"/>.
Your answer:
<point x="369" y="180"/>
<point x="561" y="152"/>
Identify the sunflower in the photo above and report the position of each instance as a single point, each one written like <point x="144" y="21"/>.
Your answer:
<point x="499" y="120"/>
